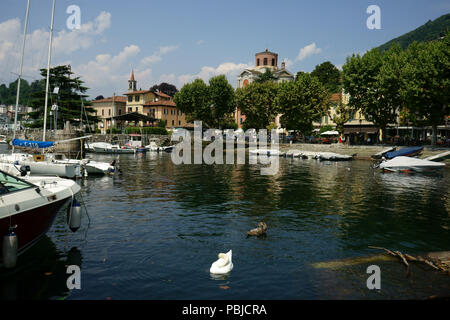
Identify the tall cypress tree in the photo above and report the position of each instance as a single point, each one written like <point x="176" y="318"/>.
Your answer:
<point x="70" y="99"/>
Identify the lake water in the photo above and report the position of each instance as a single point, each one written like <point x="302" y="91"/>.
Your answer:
<point x="155" y="228"/>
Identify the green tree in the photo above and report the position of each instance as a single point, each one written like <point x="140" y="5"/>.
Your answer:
<point x="257" y="102"/>
<point x="341" y="116"/>
<point x="222" y="100"/>
<point x="299" y="75"/>
<point x="264" y="77"/>
<point x="193" y="99"/>
<point x="302" y="102"/>
<point x="329" y="76"/>
<point x="373" y="82"/>
<point x="212" y="104"/>
<point x="69" y="99"/>
<point x="427" y="85"/>
<point x="166" y="88"/>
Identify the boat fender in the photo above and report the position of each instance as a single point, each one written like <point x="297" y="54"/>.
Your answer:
<point x="10" y="249"/>
<point x="24" y="170"/>
<point x="74" y="215"/>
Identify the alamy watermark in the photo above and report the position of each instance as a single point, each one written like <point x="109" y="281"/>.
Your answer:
<point x="74" y="280"/>
<point x="374" y="281"/>
<point x="374" y="20"/>
<point x="213" y="153"/>
<point x="74" y="20"/>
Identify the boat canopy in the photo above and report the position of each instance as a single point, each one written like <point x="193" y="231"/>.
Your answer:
<point x="409" y="151"/>
<point x="32" y="144"/>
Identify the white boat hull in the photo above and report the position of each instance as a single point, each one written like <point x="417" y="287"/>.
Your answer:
<point x="410" y="164"/>
<point x="43" y="168"/>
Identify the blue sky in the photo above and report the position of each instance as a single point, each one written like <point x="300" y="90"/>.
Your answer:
<point x="178" y="41"/>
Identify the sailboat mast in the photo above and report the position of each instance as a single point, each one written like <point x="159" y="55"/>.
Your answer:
<point x="20" y="71"/>
<point x="48" y="71"/>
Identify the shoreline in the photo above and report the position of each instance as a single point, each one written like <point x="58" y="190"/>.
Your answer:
<point x="362" y="152"/>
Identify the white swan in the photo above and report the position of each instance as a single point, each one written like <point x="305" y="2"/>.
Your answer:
<point x="223" y="265"/>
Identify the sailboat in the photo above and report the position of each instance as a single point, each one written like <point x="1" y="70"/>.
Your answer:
<point x="48" y="164"/>
<point x="39" y="164"/>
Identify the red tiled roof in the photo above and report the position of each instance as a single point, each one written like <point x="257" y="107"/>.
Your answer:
<point x="137" y="92"/>
<point x="132" y="75"/>
<point x="162" y="94"/>
<point x="169" y="103"/>
<point x="335" y="97"/>
<point x="110" y="99"/>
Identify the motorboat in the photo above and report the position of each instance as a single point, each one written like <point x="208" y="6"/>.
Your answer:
<point x="42" y="165"/>
<point x="407" y="164"/>
<point x="265" y="152"/>
<point x="382" y="153"/>
<point x="28" y="207"/>
<point x="88" y="166"/>
<point x="331" y="156"/>
<point x="407" y="152"/>
<point x="154" y="147"/>
<point x="104" y="147"/>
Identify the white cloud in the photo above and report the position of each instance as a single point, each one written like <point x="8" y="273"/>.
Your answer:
<point x="109" y="73"/>
<point x="307" y="51"/>
<point x="304" y="53"/>
<point x="199" y="42"/>
<point x="65" y="42"/>
<point x="157" y="56"/>
<point x="228" y="69"/>
<point x="168" y="78"/>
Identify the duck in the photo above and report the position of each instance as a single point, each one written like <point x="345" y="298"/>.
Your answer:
<point x="260" y="230"/>
<point x="223" y="265"/>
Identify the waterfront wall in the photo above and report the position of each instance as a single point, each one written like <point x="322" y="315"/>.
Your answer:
<point x="123" y="138"/>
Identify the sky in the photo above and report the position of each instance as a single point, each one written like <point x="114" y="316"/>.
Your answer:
<point x="177" y="41"/>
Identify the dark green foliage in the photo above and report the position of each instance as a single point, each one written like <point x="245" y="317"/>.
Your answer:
<point x="114" y="130"/>
<point x="212" y="104"/>
<point x="302" y="102"/>
<point x="258" y="102"/>
<point x="432" y="30"/>
<point x="266" y="76"/>
<point x="162" y="123"/>
<point x="329" y="76"/>
<point x="8" y="93"/>
<point x="69" y="99"/>
<point x="166" y="88"/>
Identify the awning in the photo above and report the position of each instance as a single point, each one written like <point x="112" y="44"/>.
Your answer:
<point x="360" y="130"/>
<point x="133" y="116"/>
<point x="330" y="133"/>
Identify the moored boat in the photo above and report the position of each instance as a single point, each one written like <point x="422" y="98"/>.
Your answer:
<point x="88" y="165"/>
<point x="42" y="165"/>
<point x="407" y="164"/>
<point x="104" y="147"/>
<point x="29" y="205"/>
<point x="265" y="152"/>
<point x="404" y="152"/>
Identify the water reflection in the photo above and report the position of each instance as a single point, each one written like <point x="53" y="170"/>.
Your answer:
<point x="156" y="225"/>
<point x="40" y="273"/>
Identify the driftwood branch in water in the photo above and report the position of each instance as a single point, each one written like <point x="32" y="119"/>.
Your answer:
<point x="406" y="257"/>
<point x="387" y="250"/>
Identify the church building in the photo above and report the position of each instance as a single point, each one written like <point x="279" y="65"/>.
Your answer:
<point x="265" y="60"/>
<point x="155" y="104"/>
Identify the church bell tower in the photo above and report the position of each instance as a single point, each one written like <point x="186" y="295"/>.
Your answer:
<point x="132" y="82"/>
